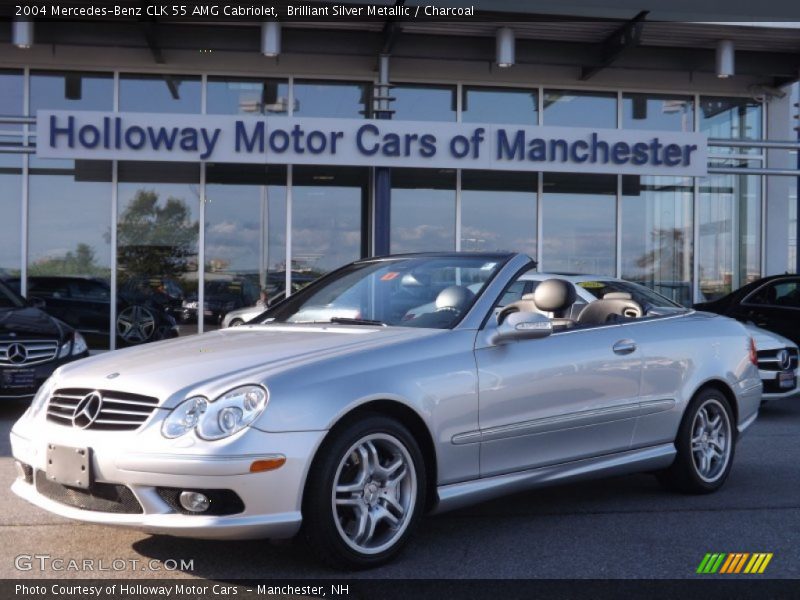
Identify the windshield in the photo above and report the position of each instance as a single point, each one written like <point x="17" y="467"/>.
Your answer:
<point x="9" y="299"/>
<point x="409" y="292"/>
<point x="639" y="293"/>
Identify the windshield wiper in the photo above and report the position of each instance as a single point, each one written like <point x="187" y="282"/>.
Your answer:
<point x="348" y="321"/>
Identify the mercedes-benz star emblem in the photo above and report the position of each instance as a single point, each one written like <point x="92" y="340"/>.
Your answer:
<point x="784" y="360"/>
<point x="16" y="353"/>
<point x="88" y="410"/>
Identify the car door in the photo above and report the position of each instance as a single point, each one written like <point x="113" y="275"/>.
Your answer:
<point x="776" y="306"/>
<point x="572" y="395"/>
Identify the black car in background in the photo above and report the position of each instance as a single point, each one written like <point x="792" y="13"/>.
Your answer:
<point x="146" y="308"/>
<point x="32" y="345"/>
<point x="772" y="303"/>
<point x="221" y="297"/>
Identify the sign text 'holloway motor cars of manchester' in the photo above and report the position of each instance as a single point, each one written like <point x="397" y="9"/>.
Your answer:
<point x="283" y="140"/>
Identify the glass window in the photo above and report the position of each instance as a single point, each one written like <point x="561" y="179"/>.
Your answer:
<point x="498" y="211"/>
<point x="730" y="232"/>
<point x="157" y="231"/>
<point x="793" y="232"/>
<point x="71" y="90"/>
<point x="731" y="118"/>
<point x="658" y="112"/>
<point x="226" y="96"/>
<point x="11" y="100"/>
<point x="423" y="103"/>
<point x="159" y="93"/>
<point x="245" y="241"/>
<point x="328" y="205"/>
<point x="779" y="293"/>
<point x="10" y="215"/>
<point x="423" y="212"/>
<point x="499" y="105"/>
<point x="335" y="99"/>
<point x="64" y="249"/>
<point x="580" y="109"/>
<point x="657" y="234"/>
<point x="579" y="223"/>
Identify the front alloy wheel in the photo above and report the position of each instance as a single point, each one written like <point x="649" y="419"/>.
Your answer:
<point x="364" y="494"/>
<point x="136" y="324"/>
<point x="705" y="445"/>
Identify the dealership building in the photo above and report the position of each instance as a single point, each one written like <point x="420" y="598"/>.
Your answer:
<point x="211" y="159"/>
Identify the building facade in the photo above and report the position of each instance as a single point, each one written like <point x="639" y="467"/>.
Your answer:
<point x="206" y="236"/>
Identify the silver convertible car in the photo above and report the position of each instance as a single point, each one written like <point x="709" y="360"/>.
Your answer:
<point x="340" y="416"/>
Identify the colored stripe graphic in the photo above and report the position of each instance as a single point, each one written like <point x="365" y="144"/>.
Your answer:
<point x="729" y="563"/>
<point x="703" y="563"/>
<point x="741" y="562"/>
<point x="734" y="563"/>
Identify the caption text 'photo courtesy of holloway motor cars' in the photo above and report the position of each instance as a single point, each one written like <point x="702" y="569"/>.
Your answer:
<point x="387" y="388"/>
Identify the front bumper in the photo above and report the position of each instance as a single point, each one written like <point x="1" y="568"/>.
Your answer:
<point x="272" y="499"/>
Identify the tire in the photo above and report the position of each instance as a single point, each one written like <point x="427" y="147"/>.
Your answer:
<point x="386" y="501"/>
<point x="236" y="323"/>
<point x="705" y="445"/>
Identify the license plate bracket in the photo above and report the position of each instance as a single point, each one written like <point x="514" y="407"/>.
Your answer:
<point x="18" y="378"/>
<point x="787" y="380"/>
<point x="69" y="466"/>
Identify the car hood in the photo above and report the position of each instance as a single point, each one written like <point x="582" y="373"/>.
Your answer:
<point x="768" y="340"/>
<point x="213" y="362"/>
<point x="30" y="322"/>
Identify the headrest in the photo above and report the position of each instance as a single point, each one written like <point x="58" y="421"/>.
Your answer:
<point x="455" y="296"/>
<point x="554" y="295"/>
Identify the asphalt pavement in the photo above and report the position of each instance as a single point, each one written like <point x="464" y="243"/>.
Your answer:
<point x="624" y="527"/>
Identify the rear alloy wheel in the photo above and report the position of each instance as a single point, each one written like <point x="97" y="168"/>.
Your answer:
<point x="365" y="493"/>
<point x="236" y="323"/>
<point x="705" y="445"/>
<point x="136" y="324"/>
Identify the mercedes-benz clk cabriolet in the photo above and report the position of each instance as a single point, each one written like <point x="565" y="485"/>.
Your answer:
<point x="344" y="414"/>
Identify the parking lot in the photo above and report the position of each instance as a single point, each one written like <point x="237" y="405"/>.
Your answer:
<point x="626" y="527"/>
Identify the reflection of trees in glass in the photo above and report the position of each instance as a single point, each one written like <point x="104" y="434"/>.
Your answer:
<point x="155" y="239"/>
<point x="664" y="261"/>
<point x="81" y="261"/>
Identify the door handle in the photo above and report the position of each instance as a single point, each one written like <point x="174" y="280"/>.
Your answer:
<point x="624" y="347"/>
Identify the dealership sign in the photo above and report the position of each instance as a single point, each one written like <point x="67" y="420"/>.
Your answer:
<point x="362" y="142"/>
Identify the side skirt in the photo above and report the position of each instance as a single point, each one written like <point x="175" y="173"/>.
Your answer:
<point x="456" y="495"/>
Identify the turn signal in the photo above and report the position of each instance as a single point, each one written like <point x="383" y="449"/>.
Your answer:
<point x="753" y="353"/>
<point x="268" y="464"/>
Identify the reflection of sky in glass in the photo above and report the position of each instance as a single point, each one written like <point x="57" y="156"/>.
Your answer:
<point x="246" y="96"/>
<point x="10" y="215"/>
<point x="423" y="220"/>
<point x="494" y="105"/>
<point x="142" y="93"/>
<point x="495" y="220"/>
<point x="234" y="230"/>
<point x="657" y="112"/>
<point x="657" y="235"/>
<point x="578" y="109"/>
<point x="330" y="99"/>
<point x="326" y="227"/>
<point x="92" y="92"/>
<point x="418" y="103"/>
<point x="578" y="232"/>
<point x="11" y="98"/>
<point x="54" y="230"/>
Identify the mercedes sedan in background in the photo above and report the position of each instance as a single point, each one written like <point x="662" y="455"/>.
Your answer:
<point x="338" y="415"/>
<point x="32" y="345"/>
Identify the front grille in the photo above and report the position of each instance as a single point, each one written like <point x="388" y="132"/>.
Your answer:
<point x="119" y="411"/>
<point x="25" y="353"/>
<point x="100" y="497"/>
<point x="768" y="359"/>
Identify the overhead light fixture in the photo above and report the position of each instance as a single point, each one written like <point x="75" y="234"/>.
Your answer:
<point x="725" y="59"/>
<point x="22" y="33"/>
<point x="270" y="38"/>
<point x="505" y="47"/>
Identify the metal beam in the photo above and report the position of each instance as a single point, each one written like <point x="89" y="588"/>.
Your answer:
<point x="391" y="31"/>
<point x="623" y="39"/>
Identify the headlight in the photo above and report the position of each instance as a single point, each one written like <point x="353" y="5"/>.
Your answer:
<point x="41" y="397"/>
<point x="184" y="417"/>
<point x="64" y="351"/>
<point x="79" y="344"/>
<point x="228" y="414"/>
<point x="232" y="412"/>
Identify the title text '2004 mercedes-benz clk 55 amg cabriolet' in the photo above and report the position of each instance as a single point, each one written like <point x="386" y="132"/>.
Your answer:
<point x="337" y="414"/>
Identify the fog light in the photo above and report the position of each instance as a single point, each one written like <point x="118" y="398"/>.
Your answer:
<point x="194" y="501"/>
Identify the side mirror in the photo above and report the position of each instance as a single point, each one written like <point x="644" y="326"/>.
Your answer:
<point x="36" y="302"/>
<point x="522" y="326"/>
